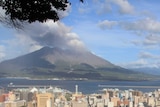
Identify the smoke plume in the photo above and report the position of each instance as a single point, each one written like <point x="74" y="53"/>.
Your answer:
<point x="52" y="34"/>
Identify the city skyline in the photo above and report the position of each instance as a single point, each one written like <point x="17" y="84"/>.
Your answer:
<point x="124" y="32"/>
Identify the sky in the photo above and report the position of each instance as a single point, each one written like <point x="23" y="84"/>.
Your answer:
<point x="124" y="32"/>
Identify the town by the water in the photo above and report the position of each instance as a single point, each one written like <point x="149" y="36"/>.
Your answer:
<point x="50" y="96"/>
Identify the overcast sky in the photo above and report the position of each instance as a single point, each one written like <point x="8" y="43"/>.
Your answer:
<point x="124" y="32"/>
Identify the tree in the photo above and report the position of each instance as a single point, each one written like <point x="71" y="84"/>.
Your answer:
<point x="21" y="11"/>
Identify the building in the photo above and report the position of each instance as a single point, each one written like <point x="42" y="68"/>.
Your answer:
<point x="137" y="93"/>
<point x="136" y="100"/>
<point x="1" y="91"/>
<point x="157" y="101"/>
<point x="115" y="101"/>
<point x="45" y="100"/>
<point x="151" y="101"/>
<point x="19" y="103"/>
<point x="2" y="98"/>
<point x="124" y="103"/>
<point x="11" y="96"/>
<point x="79" y="104"/>
<point x="110" y="104"/>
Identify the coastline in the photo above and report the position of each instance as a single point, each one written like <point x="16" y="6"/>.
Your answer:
<point x="74" y="79"/>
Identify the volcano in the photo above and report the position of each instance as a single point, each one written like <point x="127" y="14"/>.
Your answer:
<point x="64" y="63"/>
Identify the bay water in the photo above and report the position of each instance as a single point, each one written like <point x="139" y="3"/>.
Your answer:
<point x="84" y="86"/>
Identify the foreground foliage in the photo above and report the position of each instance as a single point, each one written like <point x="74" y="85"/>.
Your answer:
<point x="18" y="11"/>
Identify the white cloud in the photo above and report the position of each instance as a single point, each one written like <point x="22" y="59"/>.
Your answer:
<point x="143" y="25"/>
<point x="150" y="41"/>
<point x="139" y="27"/>
<point x="140" y="63"/>
<point x="146" y="60"/>
<point x="84" y="9"/>
<point x="147" y="55"/>
<point x="106" y="24"/>
<point x="148" y="31"/>
<point x="124" y="6"/>
<point x="135" y="64"/>
<point x="103" y="8"/>
<point x="20" y="45"/>
<point x="136" y="42"/>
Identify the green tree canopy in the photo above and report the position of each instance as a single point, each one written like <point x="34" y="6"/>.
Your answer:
<point x="17" y="11"/>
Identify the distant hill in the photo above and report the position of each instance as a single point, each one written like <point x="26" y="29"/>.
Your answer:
<point x="64" y="63"/>
<point x="148" y="70"/>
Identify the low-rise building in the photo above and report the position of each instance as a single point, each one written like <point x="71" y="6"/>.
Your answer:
<point x="19" y="103"/>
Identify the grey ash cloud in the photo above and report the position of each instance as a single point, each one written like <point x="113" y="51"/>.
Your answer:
<point x="53" y="34"/>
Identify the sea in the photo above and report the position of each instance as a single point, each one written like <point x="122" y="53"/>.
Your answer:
<point x="84" y="86"/>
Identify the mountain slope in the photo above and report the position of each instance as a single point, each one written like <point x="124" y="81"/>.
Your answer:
<point x="63" y="63"/>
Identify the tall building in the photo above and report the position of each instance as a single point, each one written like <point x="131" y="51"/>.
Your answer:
<point x="115" y="101"/>
<point x="151" y="101"/>
<point x="45" y="100"/>
<point x="136" y="100"/>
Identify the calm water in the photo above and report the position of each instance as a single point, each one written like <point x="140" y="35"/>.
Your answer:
<point x="85" y="87"/>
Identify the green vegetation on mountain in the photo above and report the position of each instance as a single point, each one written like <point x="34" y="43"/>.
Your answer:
<point x="69" y="64"/>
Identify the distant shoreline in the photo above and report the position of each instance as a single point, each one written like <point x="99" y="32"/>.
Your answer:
<point x="71" y="79"/>
<point x="29" y="78"/>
